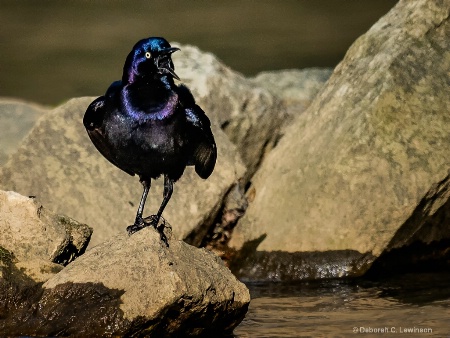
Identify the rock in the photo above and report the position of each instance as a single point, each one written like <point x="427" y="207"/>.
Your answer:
<point x="31" y="240"/>
<point x="31" y="232"/>
<point x="16" y="118"/>
<point x="295" y="87"/>
<point x="250" y="115"/>
<point x="58" y="163"/>
<point x="136" y="286"/>
<point x="366" y="168"/>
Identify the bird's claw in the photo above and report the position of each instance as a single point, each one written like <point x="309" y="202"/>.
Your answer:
<point x="145" y="222"/>
<point x="138" y="225"/>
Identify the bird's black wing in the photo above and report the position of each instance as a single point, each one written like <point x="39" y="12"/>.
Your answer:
<point x="93" y="122"/>
<point x="203" y="146"/>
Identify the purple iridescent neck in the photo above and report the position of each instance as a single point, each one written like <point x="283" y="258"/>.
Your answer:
<point x="155" y="112"/>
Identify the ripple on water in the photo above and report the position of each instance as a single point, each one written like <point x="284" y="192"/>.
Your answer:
<point x="336" y="308"/>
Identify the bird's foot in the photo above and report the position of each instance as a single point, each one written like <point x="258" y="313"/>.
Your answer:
<point x="139" y="224"/>
<point x="152" y="220"/>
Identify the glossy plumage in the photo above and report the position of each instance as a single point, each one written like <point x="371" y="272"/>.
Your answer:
<point x="148" y="126"/>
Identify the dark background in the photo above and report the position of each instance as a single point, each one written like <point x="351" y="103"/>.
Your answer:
<point x="54" y="50"/>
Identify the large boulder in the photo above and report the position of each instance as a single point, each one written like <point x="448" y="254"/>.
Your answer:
<point x="16" y="118"/>
<point x="296" y="88"/>
<point x="136" y="286"/>
<point x="60" y="166"/>
<point x="31" y="232"/>
<point x="249" y="114"/>
<point x="366" y="168"/>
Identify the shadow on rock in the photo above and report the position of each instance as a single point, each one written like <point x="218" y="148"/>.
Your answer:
<point x="70" y="309"/>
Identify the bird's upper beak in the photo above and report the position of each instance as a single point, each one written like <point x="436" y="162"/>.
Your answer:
<point x="164" y="62"/>
<point x="170" y="50"/>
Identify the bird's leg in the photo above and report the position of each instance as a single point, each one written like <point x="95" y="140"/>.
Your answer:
<point x="139" y="221"/>
<point x="168" y="189"/>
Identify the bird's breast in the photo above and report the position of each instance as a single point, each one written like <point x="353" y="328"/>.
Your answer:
<point x="152" y="138"/>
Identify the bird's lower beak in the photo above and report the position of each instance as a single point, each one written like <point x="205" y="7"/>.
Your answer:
<point x="166" y="66"/>
<point x="172" y="72"/>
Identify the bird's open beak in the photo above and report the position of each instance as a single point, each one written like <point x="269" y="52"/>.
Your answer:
<point x="167" y="66"/>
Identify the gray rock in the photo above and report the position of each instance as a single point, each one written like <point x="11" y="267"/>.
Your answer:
<point x="249" y="114"/>
<point x="366" y="168"/>
<point x="32" y="233"/>
<point x="16" y="118"/>
<point x="295" y="87"/>
<point x="58" y="163"/>
<point x="159" y="291"/>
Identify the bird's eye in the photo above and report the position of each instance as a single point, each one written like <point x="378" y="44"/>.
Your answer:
<point x="148" y="55"/>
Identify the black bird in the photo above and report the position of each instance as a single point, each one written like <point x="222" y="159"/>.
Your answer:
<point x="148" y="126"/>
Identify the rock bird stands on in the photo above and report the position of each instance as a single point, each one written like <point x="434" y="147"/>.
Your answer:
<point x="148" y="126"/>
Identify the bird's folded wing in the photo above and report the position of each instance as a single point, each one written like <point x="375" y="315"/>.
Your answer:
<point x="93" y="121"/>
<point x="204" y="151"/>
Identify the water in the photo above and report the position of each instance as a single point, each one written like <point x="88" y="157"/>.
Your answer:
<point x="343" y="308"/>
<point x="52" y="50"/>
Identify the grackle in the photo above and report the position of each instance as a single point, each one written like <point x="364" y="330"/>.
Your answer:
<point x="148" y="126"/>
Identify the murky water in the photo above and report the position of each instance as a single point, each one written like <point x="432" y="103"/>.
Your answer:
<point x="52" y="50"/>
<point x="411" y="305"/>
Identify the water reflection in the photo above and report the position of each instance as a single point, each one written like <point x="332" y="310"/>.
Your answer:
<point x="336" y="308"/>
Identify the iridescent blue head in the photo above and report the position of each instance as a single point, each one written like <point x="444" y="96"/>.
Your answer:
<point x="149" y="59"/>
